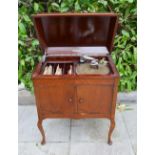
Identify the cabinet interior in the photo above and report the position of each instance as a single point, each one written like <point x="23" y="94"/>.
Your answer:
<point x="64" y="66"/>
<point x="69" y="63"/>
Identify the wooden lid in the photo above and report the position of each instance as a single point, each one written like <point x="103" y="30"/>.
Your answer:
<point x="75" y="29"/>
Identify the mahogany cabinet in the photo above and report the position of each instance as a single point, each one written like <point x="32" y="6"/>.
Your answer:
<point x="64" y="38"/>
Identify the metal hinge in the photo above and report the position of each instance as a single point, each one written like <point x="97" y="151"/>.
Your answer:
<point x="43" y="58"/>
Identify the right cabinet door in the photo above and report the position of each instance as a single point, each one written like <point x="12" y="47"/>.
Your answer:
<point x="95" y="99"/>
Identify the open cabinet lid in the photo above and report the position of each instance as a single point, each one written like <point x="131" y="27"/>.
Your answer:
<point x="71" y="31"/>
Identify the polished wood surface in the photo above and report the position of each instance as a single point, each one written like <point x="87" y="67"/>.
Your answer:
<point x="56" y="98"/>
<point x="75" y="96"/>
<point x="94" y="98"/>
<point x="59" y="30"/>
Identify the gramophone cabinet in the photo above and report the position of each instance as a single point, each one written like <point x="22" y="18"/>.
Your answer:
<point x="64" y="38"/>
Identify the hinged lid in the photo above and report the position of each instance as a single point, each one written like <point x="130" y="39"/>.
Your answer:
<point x="74" y="31"/>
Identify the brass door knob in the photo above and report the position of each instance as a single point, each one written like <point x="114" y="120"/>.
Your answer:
<point x="81" y="100"/>
<point x="70" y="100"/>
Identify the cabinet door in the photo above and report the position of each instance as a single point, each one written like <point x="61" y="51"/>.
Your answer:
<point x="55" y="99"/>
<point x="94" y="99"/>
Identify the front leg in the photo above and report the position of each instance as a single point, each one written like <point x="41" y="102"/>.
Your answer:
<point x="40" y="127"/>
<point x="112" y="126"/>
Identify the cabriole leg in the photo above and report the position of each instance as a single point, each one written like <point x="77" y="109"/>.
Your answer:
<point x="112" y="126"/>
<point x="40" y="127"/>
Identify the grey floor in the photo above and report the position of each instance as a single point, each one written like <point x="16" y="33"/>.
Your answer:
<point x="77" y="137"/>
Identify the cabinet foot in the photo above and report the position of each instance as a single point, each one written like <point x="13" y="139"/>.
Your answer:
<point x="112" y="126"/>
<point x="40" y="127"/>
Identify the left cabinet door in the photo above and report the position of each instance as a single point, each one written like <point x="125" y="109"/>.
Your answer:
<point x="58" y="99"/>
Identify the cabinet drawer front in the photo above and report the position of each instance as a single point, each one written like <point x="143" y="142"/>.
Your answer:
<point x="55" y="99"/>
<point x="94" y="98"/>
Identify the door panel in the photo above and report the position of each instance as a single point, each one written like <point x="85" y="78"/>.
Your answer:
<point x="56" y="99"/>
<point x="94" y="98"/>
